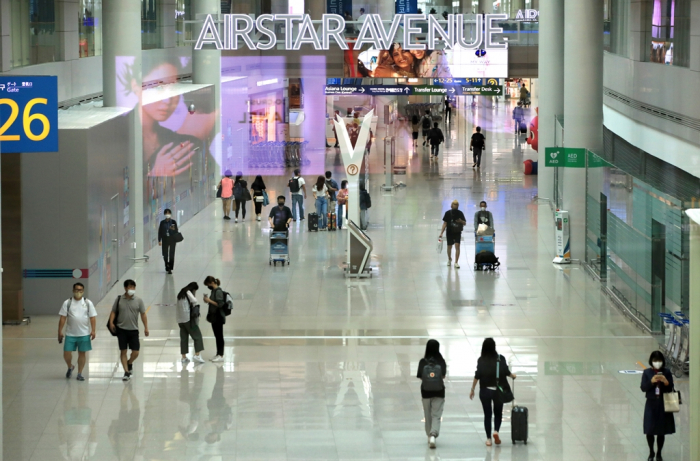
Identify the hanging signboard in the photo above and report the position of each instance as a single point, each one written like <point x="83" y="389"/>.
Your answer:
<point x="406" y="6"/>
<point x="407" y="90"/>
<point x="566" y="157"/>
<point x="28" y="114"/>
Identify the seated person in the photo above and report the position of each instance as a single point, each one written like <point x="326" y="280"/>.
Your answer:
<point x="280" y="216"/>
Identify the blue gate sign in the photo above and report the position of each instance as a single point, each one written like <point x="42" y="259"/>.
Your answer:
<point x="28" y="114"/>
<point x="406" y="6"/>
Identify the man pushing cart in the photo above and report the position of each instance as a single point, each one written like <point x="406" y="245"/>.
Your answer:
<point x="280" y="217"/>
<point x="484" y="245"/>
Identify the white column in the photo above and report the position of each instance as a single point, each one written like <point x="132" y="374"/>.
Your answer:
<point x="206" y="69"/>
<point x="121" y="56"/>
<point x="166" y="22"/>
<point x="5" y="37"/>
<point x="485" y="7"/>
<point x="694" y="295"/>
<point x="67" y="30"/>
<point x="583" y="104"/>
<point x="551" y="80"/>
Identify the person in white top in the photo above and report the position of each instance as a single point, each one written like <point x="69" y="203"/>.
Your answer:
<point x="188" y="320"/>
<point x="361" y="18"/>
<point x="320" y="191"/>
<point x="77" y="315"/>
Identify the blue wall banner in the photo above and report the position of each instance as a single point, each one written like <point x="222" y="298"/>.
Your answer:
<point x="28" y="114"/>
<point x="339" y="7"/>
<point x="406" y="6"/>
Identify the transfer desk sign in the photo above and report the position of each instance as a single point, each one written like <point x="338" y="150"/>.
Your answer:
<point x="28" y="114"/>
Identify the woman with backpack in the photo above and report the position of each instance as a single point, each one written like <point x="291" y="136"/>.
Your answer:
<point x="259" y="194"/>
<point x="432" y="370"/>
<point x="491" y="372"/>
<point x="188" y="320"/>
<point x="321" y="194"/>
<point x="241" y="194"/>
<point x="215" y="314"/>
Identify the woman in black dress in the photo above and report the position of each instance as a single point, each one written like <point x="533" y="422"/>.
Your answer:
<point x="657" y="381"/>
<point x="258" y="187"/>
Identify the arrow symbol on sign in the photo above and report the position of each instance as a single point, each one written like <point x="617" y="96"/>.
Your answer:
<point x="362" y="90"/>
<point x="406" y="90"/>
<point x="498" y="91"/>
<point x="452" y="90"/>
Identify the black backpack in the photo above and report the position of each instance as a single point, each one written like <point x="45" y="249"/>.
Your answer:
<point x="238" y="191"/>
<point x="294" y="185"/>
<point x="486" y="257"/>
<point x="426" y="123"/>
<point x="431" y="376"/>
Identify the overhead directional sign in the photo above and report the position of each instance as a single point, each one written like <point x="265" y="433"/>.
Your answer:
<point x="406" y="90"/>
<point x="28" y="114"/>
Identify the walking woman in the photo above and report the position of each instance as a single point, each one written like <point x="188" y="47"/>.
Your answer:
<point x="320" y="191"/>
<point x="226" y="185"/>
<point x="657" y="381"/>
<point x="240" y="194"/>
<point x="342" y="197"/>
<point x="432" y="370"/>
<point x="189" y="325"/>
<point x="217" y="317"/>
<point x="490" y="365"/>
<point x="258" y="187"/>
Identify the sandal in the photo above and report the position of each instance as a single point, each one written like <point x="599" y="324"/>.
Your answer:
<point x="496" y="438"/>
<point x="488" y="442"/>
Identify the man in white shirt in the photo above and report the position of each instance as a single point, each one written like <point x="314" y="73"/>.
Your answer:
<point x="361" y="18"/>
<point x="77" y="315"/>
<point x="297" y="187"/>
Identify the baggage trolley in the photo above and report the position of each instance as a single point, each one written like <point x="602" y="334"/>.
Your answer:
<point x="279" y="247"/>
<point x="484" y="243"/>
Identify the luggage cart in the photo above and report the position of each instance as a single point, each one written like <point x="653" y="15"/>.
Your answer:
<point x="677" y="344"/>
<point x="484" y="243"/>
<point x="279" y="247"/>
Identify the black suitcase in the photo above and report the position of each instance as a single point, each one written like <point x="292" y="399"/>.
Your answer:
<point x="313" y="222"/>
<point x="518" y="423"/>
<point x="523" y="128"/>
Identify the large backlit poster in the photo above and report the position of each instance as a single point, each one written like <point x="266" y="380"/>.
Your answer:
<point x="457" y="63"/>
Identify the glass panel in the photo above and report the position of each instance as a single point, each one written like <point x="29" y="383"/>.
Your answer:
<point x="150" y="32"/>
<point x="668" y="32"/>
<point x="33" y="32"/>
<point x="183" y="12"/>
<point x="90" y="28"/>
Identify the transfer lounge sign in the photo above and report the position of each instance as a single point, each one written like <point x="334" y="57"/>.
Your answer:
<point x="565" y="157"/>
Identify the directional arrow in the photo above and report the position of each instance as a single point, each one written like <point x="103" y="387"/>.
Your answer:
<point x="407" y="90"/>
<point x="362" y="90"/>
<point x="452" y="91"/>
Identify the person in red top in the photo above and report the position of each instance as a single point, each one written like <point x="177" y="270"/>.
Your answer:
<point x="227" y="193"/>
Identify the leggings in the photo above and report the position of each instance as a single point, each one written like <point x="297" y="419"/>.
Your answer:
<point x="240" y="205"/>
<point x="218" y="329"/>
<point x="487" y="396"/>
<point x="258" y="207"/>
<point x="660" y="439"/>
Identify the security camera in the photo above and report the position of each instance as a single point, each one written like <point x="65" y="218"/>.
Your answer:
<point x="191" y="108"/>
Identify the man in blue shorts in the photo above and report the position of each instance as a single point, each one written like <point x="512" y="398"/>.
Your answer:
<point x="77" y="315"/>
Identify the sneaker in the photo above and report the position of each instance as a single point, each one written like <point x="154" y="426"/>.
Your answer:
<point x="170" y="272"/>
<point x="80" y="377"/>
<point x="198" y="359"/>
<point x="496" y="438"/>
<point x="131" y="368"/>
<point x="126" y="377"/>
<point x="184" y="361"/>
<point x="456" y="266"/>
<point x="488" y="442"/>
<point x="218" y="358"/>
<point x="449" y="263"/>
<point x="432" y="441"/>
<point x="258" y="218"/>
<point x="228" y="218"/>
<point x="70" y="371"/>
<point x="236" y="220"/>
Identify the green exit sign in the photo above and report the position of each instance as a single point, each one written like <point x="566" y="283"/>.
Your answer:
<point x="566" y="157"/>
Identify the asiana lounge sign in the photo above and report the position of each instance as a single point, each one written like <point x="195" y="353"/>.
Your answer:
<point x="474" y="32"/>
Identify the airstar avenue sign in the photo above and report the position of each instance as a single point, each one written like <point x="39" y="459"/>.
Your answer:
<point x="259" y="34"/>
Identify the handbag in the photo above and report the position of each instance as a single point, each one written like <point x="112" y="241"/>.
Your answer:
<point x="505" y="394"/>
<point x="672" y="401"/>
<point x="218" y="191"/>
<point x="194" y="313"/>
<point x="266" y="198"/>
<point x="116" y="317"/>
<point x="439" y="246"/>
<point x="246" y="195"/>
<point x="177" y="237"/>
<point x="455" y="227"/>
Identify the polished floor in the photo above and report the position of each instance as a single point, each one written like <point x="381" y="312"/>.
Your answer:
<point x="321" y="368"/>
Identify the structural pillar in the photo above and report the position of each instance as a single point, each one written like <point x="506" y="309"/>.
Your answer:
<point x="5" y="37"/>
<point x="551" y="81"/>
<point x="583" y="105"/>
<point x="485" y="7"/>
<point x="121" y="77"/>
<point x="694" y="295"/>
<point x="67" y="30"/>
<point x="166" y="22"/>
<point x="206" y="70"/>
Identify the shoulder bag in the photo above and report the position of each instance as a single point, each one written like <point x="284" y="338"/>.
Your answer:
<point x="505" y="394"/>
<point x="116" y="316"/>
<point x="672" y="401"/>
<point x="455" y="227"/>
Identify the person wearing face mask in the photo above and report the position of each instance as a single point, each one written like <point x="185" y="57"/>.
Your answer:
<point x="77" y="315"/>
<point x="124" y="321"/>
<point x="657" y="381"/>
<point x="483" y="216"/>
<point x="216" y="299"/>
<point x="453" y="222"/>
<point x="280" y="216"/>
<point x="166" y="239"/>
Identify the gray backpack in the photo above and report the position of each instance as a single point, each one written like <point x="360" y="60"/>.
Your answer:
<point x="431" y="376"/>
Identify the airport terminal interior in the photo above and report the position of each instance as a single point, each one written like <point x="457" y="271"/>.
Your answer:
<point x="529" y="178"/>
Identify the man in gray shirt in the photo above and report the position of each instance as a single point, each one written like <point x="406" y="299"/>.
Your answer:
<point x="483" y="217"/>
<point x="124" y="321"/>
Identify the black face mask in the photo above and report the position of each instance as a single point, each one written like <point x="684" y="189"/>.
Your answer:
<point x="281" y="204"/>
<point x="210" y="287"/>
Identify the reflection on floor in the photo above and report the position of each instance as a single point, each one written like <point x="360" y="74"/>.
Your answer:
<point x="318" y="367"/>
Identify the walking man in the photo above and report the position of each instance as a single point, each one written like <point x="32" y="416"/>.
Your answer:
<point x="477" y="146"/>
<point x="436" y="138"/>
<point x="124" y="321"/>
<point x="332" y="186"/>
<point x="166" y="239"/>
<point x="448" y="110"/>
<point x="518" y="116"/>
<point x="77" y="315"/>
<point x="297" y="186"/>
<point x="426" y="122"/>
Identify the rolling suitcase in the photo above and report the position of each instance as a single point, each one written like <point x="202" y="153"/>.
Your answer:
<point x="332" y="222"/>
<point x="518" y="422"/>
<point x="313" y="222"/>
<point x="523" y="128"/>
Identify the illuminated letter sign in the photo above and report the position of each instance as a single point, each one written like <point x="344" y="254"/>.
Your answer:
<point x="259" y="34"/>
<point x="28" y="114"/>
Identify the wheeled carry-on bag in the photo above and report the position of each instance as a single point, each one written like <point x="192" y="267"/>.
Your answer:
<point x="518" y="422"/>
<point x="523" y="128"/>
<point x="313" y="222"/>
<point x="332" y="222"/>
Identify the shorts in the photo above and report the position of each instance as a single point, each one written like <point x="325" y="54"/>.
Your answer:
<point x="415" y="135"/>
<point x="453" y="238"/>
<point x="425" y="133"/>
<point x="77" y="343"/>
<point x="128" y="339"/>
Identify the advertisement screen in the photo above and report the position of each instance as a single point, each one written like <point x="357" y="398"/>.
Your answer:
<point x="397" y="62"/>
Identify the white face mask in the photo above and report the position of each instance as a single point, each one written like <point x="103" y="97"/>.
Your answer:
<point x="131" y="292"/>
<point x="483" y="208"/>
<point x="657" y="365"/>
<point x="167" y="216"/>
<point x="77" y="294"/>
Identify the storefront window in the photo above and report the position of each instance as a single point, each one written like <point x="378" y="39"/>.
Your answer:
<point x="668" y="32"/>
<point x="617" y="26"/>
<point x="33" y="32"/>
<point x="90" y="28"/>
<point x="150" y="33"/>
<point x="183" y="12"/>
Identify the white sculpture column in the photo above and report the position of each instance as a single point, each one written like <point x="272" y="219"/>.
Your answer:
<point x="694" y="295"/>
